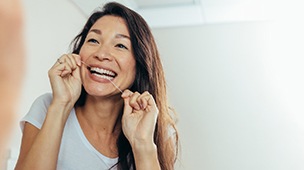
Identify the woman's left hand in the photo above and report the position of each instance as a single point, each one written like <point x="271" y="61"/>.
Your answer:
<point x="139" y="117"/>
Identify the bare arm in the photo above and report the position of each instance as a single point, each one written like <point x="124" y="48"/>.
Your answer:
<point x="146" y="157"/>
<point x="40" y="148"/>
<point x="138" y="124"/>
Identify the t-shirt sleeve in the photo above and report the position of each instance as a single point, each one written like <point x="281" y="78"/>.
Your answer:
<point x="37" y="112"/>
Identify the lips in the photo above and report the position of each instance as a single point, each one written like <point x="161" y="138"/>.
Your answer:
<point x="103" y="73"/>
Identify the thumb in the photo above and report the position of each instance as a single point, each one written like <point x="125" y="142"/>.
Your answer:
<point x="126" y="97"/>
<point x="76" y="73"/>
<point x="127" y="107"/>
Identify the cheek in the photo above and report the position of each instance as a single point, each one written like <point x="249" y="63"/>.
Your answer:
<point x="128" y="66"/>
<point x="131" y="66"/>
<point x="83" y="57"/>
<point x="82" y="53"/>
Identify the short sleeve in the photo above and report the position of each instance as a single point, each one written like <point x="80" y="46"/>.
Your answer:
<point x="37" y="112"/>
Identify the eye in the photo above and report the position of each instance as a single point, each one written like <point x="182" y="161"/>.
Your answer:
<point x="121" y="46"/>
<point x="92" y="40"/>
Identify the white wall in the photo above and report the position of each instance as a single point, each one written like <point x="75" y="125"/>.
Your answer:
<point x="226" y="83"/>
<point x="237" y="90"/>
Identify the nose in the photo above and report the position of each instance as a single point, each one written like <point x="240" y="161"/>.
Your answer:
<point x="103" y="53"/>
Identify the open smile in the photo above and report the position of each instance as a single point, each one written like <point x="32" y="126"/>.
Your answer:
<point x="102" y="73"/>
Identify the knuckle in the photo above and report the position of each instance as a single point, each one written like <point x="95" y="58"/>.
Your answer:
<point x="50" y="72"/>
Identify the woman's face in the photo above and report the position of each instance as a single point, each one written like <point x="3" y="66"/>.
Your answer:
<point x="108" y="51"/>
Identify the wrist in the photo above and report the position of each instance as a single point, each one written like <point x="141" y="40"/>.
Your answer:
<point x="62" y="102"/>
<point x="59" y="110"/>
<point x="146" y="156"/>
<point x="144" y="148"/>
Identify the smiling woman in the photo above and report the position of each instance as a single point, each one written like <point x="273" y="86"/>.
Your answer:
<point x="86" y="123"/>
<point x="109" y="43"/>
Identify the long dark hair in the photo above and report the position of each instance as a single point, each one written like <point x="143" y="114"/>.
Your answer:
<point x="149" y="77"/>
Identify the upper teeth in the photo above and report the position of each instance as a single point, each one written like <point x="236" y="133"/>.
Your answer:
<point x="102" y="71"/>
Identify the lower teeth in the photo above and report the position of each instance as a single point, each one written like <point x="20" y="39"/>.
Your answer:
<point x="104" y="76"/>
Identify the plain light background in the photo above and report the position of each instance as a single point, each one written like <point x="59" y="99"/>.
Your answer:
<point x="237" y="87"/>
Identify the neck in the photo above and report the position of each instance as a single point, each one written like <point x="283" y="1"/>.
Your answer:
<point x="101" y="115"/>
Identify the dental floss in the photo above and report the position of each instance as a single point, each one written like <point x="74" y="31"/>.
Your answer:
<point x="115" y="85"/>
<point x="85" y="63"/>
<point x="107" y="79"/>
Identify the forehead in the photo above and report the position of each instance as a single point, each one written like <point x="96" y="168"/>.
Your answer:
<point x="109" y="22"/>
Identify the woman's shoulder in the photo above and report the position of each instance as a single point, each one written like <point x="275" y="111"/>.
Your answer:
<point x="41" y="104"/>
<point x="44" y="99"/>
<point x="37" y="112"/>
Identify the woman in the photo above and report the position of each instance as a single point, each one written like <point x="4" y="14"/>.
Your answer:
<point x="87" y="123"/>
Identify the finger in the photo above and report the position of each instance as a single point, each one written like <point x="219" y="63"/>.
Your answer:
<point x="143" y="100"/>
<point x="133" y="101"/>
<point x="127" y="108"/>
<point x="151" y="102"/>
<point x="66" y="70"/>
<point x="59" y="61"/>
<point x="57" y="69"/>
<point x="77" y="59"/>
<point x="76" y="74"/>
<point x="68" y="60"/>
<point x="74" y="60"/>
<point x="126" y="93"/>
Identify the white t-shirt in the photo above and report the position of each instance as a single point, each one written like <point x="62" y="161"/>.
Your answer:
<point x="76" y="152"/>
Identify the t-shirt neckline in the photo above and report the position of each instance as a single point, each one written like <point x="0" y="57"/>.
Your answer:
<point x="107" y="160"/>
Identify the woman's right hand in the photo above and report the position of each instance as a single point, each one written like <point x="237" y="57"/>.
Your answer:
<point x="65" y="79"/>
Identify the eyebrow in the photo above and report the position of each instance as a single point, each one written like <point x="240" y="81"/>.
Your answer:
<point x="95" y="31"/>
<point x="117" y="36"/>
<point x="122" y="36"/>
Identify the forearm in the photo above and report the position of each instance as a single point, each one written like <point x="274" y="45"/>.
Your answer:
<point x="43" y="153"/>
<point x="146" y="157"/>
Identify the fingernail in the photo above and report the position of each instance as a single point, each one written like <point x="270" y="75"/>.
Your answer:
<point x="123" y="95"/>
<point x="137" y="108"/>
<point x="144" y="106"/>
